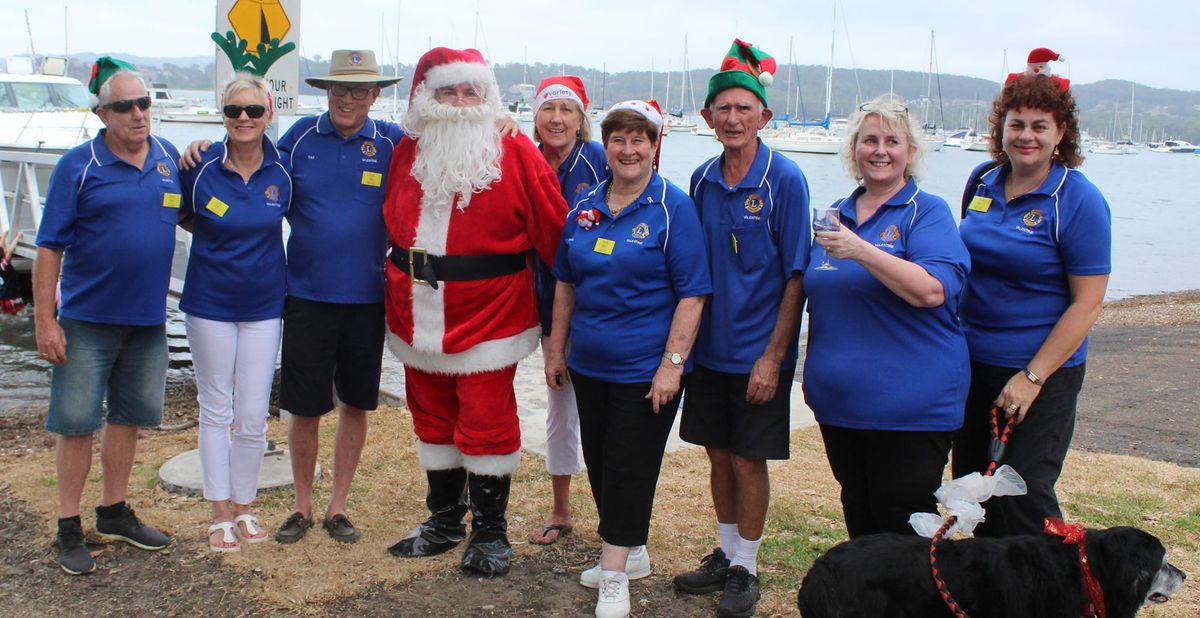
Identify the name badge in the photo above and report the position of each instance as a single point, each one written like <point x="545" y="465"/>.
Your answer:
<point x="171" y="200"/>
<point x="217" y="207"/>
<point x="372" y="179"/>
<point x="980" y="204"/>
<point x="604" y="245"/>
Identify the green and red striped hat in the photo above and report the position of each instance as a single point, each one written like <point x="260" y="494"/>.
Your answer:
<point x="745" y="66"/>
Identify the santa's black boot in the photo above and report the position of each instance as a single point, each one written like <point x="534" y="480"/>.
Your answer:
<point x="446" y="526"/>
<point x="488" y="552"/>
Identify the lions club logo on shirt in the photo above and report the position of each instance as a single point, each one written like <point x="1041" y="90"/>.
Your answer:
<point x="890" y="234"/>
<point x="754" y="204"/>
<point x="368" y="149"/>
<point x="272" y="193"/>
<point x="163" y="169"/>
<point x="1032" y="218"/>
<point x="580" y="187"/>
<point x="641" y="231"/>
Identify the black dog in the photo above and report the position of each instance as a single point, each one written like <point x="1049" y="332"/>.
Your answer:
<point x="888" y="576"/>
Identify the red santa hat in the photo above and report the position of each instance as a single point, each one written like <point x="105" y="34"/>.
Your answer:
<point x="560" y="87"/>
<point x="1038" y="63"/>
<point x="442" y="66"/>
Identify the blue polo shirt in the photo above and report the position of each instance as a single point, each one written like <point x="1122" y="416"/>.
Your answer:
<point x="757" y="235"/>
<point x="1022" y="253"/>
<point x="338" y="241"/>
<point x="873" y="360"/>
<point x="116" y="227"/>
<point x="629" y="273"/>
<point x="583" y="169"/>
<point x="236" y="271"/>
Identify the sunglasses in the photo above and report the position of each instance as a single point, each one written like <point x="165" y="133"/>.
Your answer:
<point x="124" y="106"/>
<point x="870" y="107"/>
<point x="358" y="92"/>
<point x="233" y="112"/>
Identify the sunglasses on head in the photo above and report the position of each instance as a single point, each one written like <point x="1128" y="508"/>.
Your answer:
<point x="124" y="106"/>
<point x="233" y="112"/>
<point x="871" y="107"/>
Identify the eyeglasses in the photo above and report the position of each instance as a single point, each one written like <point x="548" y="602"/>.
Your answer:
<point x="357" y="92"/>
<point x="124" y="106"/>
<point x="468" y="94"/>
<point x="233" y="112"/>
<point x="871" y="107"/>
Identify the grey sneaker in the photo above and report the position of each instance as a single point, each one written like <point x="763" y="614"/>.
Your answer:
<point x="741" y="594"/>
<point x="73" y="555"/>
<point x="128" y="528"/>
<point x="710" y="577"/>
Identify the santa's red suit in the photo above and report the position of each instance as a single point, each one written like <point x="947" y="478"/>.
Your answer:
<point x="474" y="331"/>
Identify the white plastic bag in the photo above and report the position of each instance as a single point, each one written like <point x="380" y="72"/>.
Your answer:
<point x="962" y="498"/>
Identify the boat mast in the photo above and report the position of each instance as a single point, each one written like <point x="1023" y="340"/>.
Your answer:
<point x="829" y="72"/>
<point x="787" y="111"/>
<point x="683" y="77"/>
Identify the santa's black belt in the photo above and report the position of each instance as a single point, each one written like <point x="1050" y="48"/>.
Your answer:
<point x="427" y="269"/>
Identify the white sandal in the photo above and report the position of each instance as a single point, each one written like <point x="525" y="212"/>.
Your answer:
<point x="252" y="529"/>
<point x="227" y="537"/>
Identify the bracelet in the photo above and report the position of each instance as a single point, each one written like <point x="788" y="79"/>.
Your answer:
<point x="1033" y="377"/>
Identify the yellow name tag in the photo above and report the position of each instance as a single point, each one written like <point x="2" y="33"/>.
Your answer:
<point x="171" y="200"/>
<point x="980" y="204"/>
<point x="217" y="207"/>
<point x="372" y="179"/>
<point x="604" y="245"/>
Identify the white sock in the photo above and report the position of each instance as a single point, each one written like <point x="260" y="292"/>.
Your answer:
<point x="747" y="554"/>
<point x="636" y="551"/>
<point x="729" y="538"/>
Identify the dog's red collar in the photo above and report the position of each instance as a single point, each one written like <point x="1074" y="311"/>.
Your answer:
<point x="1074" y="534"/>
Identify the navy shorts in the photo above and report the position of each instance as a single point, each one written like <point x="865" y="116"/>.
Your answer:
<point x="124" y="367"/>
<point x="717" y="415"/>
<point x="328" y="346"/>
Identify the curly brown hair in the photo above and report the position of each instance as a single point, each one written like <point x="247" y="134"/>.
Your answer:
<point x="1042" y="93"/>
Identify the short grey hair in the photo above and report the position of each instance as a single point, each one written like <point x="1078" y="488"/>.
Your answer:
<point x="893" y="115"/>
<point x="247" y="81"/>
<point x="105" y="95"/>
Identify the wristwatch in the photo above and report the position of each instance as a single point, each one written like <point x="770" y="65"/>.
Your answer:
<point x="675" y="357"/>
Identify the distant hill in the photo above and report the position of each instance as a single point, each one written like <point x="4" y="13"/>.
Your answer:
<point x="956" y="101"/>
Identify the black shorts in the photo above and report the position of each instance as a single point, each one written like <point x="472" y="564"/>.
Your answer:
<point x="329" y="346"/>
<point x="717" y="415"/>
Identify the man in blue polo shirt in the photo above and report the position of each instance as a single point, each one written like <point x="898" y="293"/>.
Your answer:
<point x="109" y="228"/>
<point x="753" y="206"/>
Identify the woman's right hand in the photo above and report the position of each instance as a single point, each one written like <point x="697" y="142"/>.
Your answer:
<point x="193" y="154"/>
<point x="556" y="370"/>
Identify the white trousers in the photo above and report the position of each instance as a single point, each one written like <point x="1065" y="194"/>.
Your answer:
<point x="235" y="366"/>
<point x="562" y="429"/>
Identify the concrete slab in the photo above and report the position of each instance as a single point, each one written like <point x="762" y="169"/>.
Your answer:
<point x="182" y="475"/>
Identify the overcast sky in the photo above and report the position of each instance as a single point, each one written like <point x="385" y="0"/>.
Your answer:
<point x="1152" y="42"/>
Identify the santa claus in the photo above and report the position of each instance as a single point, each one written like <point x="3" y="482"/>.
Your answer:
<point x="467" y="209"/>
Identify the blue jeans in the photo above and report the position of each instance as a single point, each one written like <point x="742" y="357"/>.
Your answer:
<point x="123" y="365"/>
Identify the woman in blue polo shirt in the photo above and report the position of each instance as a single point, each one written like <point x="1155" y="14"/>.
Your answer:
<point x="886" y="370"/>
<point x="1040" y="237"/>
<point x="632" y="280"/>
<point x="235" y="201"/>
<point x="563" y="132"/>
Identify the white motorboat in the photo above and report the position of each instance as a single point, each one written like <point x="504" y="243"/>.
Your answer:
<point x="1174" y="146"/>
<point x="803" y="140"/>
<point x="45" y="113"/>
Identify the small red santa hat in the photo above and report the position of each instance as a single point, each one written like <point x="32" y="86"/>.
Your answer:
<point x="1042" y="55"/>
<point x="560" y="87"/>
<point x="442" y="66"/>
<point x="1038" y="63"/>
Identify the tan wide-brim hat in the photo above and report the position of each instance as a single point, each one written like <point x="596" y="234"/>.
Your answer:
<point x="353" y="66"/>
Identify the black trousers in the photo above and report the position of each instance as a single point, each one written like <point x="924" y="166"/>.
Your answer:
<point x="1036" y="449"/>
<point x="623" y="441"/>
<point x="886" y="475"/>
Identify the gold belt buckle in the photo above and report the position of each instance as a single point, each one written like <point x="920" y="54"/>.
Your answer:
<point x="412" y="271"/>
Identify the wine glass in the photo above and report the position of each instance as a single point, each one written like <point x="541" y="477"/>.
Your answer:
<point x="826" y="220"/>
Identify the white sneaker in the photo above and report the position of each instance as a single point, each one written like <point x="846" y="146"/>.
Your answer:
<point x="637" y="566"/>
<point x="613" y="600"/>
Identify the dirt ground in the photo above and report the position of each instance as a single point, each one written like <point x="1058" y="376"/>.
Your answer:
<point x="1140" y="399"/>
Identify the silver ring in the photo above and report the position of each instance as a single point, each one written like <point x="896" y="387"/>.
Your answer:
<point x="1014" y="407"/>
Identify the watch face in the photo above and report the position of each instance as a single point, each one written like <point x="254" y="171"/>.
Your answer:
<point x="676" y="359"/>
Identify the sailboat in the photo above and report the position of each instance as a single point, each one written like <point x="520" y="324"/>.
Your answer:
<point x="1117" y="146"/>
<point x="675" y="119"/>
<point x="811" y="137"/>
<point x="932" y="138"/>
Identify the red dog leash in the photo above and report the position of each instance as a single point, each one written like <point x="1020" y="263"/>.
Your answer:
<point x="1074" y="534"/>
<point x="995" y="453"/>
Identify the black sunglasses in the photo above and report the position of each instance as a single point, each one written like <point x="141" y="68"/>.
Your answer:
<point x="234" y="112"/>
<point x="124" y="106"/>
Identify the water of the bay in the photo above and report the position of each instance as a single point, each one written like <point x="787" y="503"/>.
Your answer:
<point x="1153" y="216"/>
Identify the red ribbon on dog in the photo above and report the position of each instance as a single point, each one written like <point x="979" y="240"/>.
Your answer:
<point x="1073" y="534"/>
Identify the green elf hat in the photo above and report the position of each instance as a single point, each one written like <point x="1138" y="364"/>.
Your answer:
<point x="103" y="69"/>
<point x="745" y="66"/>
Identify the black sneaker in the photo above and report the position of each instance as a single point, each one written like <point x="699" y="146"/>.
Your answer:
<point x="741" y="594"/>
<point x="73" y="555"/>
<point x="710" y="577"/>
<point x="128" y="528"/>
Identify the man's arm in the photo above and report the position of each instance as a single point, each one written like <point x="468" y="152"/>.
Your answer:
<point x="764" y="376"/>
<point x="51" y="342"/>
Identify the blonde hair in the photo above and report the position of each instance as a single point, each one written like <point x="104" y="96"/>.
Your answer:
<point x="247" y="81"/>
<point x="893" y="115"/>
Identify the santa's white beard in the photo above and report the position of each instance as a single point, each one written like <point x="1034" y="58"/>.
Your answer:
<point x="458" y="148"/>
